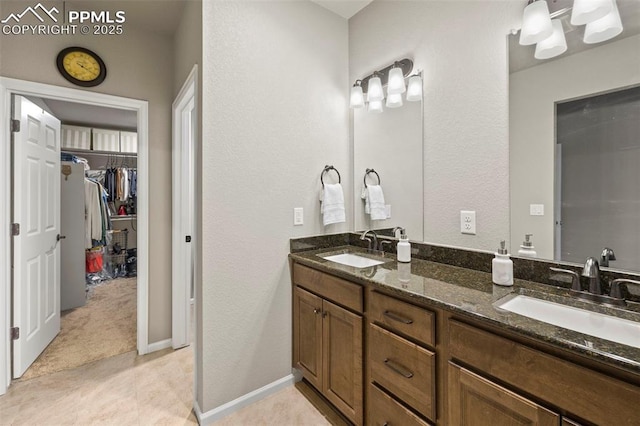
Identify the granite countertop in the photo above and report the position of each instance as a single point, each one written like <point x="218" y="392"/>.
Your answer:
<point x="473" y="294"/>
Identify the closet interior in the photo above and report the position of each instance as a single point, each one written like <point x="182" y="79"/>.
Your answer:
<point x="100" y="182"/>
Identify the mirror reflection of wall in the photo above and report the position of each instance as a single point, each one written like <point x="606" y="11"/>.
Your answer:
<point x="390" y="143"/>
<point x="534" y="95"/>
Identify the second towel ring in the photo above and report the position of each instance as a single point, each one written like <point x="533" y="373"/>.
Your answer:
<point x="326" y="170"/>
<point x="368" y="171"/>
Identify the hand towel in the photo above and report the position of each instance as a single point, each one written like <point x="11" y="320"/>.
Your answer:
<point x="332" y="207"/>
<point x="374" y="203"/>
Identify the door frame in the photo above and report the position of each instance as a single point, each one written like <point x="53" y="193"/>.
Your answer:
<point x="181" y="288"/>
<point x="10" y="86"/>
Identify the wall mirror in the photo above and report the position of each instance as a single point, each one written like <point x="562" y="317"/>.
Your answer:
<point x="574" y="138"/>
<point x="391" y="143"/>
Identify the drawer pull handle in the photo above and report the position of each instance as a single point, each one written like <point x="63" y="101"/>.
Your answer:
<point x="396" y="317"/>
<point x="398" y="368"/>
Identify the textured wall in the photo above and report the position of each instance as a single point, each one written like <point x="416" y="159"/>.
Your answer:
<point x="461" y="46"/>
<point x="275" y="111"/>
<point x="533" y="93"/>
<point x="140" y="66"/>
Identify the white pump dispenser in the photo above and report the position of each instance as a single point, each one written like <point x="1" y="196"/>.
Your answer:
<point x="403" y="249"/>
<point x="526" y="249"/>
<point x="502" y="267"/>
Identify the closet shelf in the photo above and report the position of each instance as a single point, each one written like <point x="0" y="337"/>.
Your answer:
<point x="123" y="217"/>
<point x="102" y="153"/>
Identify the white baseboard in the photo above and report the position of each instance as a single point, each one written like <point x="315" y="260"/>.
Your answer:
<point x="158" y="346"/>
<point x="238" y="403"/>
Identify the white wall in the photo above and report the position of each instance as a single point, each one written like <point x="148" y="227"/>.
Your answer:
<point x="140" y="66"/>
<point x="275" y="111"/>
<point x="461" y="46"/>
<point x="533" y="94"/>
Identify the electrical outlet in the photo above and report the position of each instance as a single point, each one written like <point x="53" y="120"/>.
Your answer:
<point x="536" y="209"/>
<point x="298" y="216"/>
<point x="387" y="209"/>
<point x="468" y="222"/>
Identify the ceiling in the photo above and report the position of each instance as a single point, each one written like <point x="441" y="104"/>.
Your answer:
<point x="344" y="8"/>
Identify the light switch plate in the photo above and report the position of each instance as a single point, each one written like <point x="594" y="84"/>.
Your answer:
<point x="468" y="222"/>
<point x="298" y="216"/>
<point x="387" y="209"/>
<point x="536" y="209"/>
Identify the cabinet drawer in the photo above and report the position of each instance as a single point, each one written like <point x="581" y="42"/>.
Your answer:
<point x="407" y="319"/>
<point x="384" y="410"/>
<point x="331" y="288"/>
<point x="404" y="368"/>
<point x="590" y="395"/>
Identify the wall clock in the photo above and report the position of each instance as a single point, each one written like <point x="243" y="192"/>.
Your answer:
<point x="81" y="66"/>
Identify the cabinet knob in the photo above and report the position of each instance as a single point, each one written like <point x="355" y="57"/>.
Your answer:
<point x="316" y="311"/>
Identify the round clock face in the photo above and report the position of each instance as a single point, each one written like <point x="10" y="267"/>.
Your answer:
<point x="81" y="66"/>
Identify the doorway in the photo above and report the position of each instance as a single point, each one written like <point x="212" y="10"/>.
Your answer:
<point x="9" y="87"/>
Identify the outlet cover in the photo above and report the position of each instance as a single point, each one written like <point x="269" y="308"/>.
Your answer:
<point x="387" y="209"/>
<point x="468" y="222"/>
<point x="536" y="209"/>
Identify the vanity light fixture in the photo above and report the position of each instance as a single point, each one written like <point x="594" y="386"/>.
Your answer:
<point x="585" y="11"/>
<point x="373" y="86"/>
<point x="553" y="45"/>
<point x="414" y="89"/>
<point x="536" y="23"/>
<point x="357" y="97"/>
<point x="604" y="28"/>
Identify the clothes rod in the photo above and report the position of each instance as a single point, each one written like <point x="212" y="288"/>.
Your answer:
<point x="80" y="153"/>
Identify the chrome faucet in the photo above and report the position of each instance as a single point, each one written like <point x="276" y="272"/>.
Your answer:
<point x="606" y="255"/>
<point x="364" y="237"/>
<point x="591" y="271"/>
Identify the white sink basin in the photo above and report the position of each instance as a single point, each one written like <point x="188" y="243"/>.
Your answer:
<point x="354" y="260"/>
<point x="592" y="323"/>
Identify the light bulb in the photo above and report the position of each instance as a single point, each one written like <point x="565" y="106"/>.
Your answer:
<point x="553" y="45"/>
<point x="374" y="92"/>
<point x="357" y="98"/>
<point x="585" y="11"/>
<point x="375" y="106"/>
<point x="394" y="100"/>
<point x="536" y="23"/>
<point x="604" y="28"/>
<point x="396" y="82"/>
<point x="414" y="91"/>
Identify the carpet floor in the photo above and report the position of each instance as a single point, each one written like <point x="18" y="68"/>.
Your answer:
<point x="104" y="327"/>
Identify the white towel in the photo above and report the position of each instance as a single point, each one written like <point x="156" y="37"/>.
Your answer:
<point x="374" y="202"/>
<point x="332" y="207"/>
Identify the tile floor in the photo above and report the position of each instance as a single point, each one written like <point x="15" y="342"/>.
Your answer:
<point x="131" y="390"/>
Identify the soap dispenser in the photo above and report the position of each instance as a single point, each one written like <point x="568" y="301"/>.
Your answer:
<point x="403" y="248"/>
<point x="502" y="267"/>
<point x="526" y="249"/>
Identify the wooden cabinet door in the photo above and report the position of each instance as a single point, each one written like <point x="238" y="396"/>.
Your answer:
<point x="307" y="335"/>
<point x="476" y="401"/>
<point x="342" y="359"/>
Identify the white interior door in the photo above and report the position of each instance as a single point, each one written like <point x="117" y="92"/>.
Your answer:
<point x="36" y="252"/>
<point x="183" y="210"/>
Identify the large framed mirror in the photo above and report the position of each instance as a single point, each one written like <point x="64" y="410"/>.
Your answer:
<point x="574" y="132"/>
<point x="390" y="143"/>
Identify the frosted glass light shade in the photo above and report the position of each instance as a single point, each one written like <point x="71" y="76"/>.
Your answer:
<point x="357" y="98"/>
<point x="414" y="90"/>
<point x="394" y="100"/>
<point x="374" y="92"/>
<point x="536" y="23"/>
<point x="553" y="45"/>
<point x="396" y="82"/>
<point x="375" y="106"/>
<point x="604" y="28"/>
<point x="585" y="11"/>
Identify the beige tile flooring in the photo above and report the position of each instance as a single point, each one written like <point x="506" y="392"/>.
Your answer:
<point x="155" y="389"/>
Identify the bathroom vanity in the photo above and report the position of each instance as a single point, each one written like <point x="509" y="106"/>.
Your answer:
<point x="431" y="345"/>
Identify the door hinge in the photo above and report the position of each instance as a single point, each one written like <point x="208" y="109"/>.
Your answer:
<point x="15" y="125"/>
<point x="15" y="229"/>
<point x="15" y="333"/>
<point x="187" y="239"/>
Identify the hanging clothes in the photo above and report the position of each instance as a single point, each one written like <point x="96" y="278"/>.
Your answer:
<point x="124" y="184"/>
<point x="93" y="213"/>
